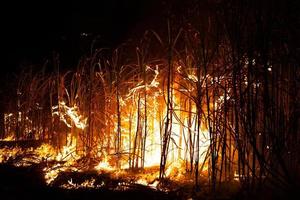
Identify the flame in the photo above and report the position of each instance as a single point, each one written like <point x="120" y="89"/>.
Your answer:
<point x="180" y="127"/>
<point x="176" y="170"/>
<point x="51" y="173"/>
<point x="90" y="183"/>
<point x="67" y="154"/>
<point x="9" y="153"/>
<point x="72" y="112"/>
<point x="153" y="84"/>
<point x="193" y="77"/>
<point x="68" y="151"/>
<point x="104" y="165"/>
<point x="144" y="101"/>
<point x="9" y="138"/>
<point x="45" y="151"/>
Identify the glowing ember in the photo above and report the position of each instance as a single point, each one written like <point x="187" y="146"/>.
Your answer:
<point x="9" y="153"/>
<point x="86" y="184"/>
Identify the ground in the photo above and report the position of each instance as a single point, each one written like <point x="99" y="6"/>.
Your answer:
<point x="28" y="183"/>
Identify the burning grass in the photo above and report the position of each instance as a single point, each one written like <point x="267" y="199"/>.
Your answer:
<point x="67" y="170"/>
<point x="192" y="108"/>
<point x="115" y="141"/>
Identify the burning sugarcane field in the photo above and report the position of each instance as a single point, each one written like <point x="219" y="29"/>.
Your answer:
<point x="194" y="99"/>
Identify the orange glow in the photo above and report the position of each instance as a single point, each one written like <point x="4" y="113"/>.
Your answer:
<point x="104" y="165"/>
<point x="142" y="116"/>
<point x="9" y="138"/>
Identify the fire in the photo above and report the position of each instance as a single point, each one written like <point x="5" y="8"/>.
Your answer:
<point x="9" y="138"/>
<point x="9" y="153"/>
<point x="176" y="170"/>
<point x="153" y="84"/>
<point x="72" y="112"/>
<point x="68" y="151"/>
<point x="86" y="184"/>
<point x="67" y="154"/>
<point x="104" y="165"/>
<point x="45" y="151"/>
<point x="138" y="129"/>
<point x="52" y="173"/>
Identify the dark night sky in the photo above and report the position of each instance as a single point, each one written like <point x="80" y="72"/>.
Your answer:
<point x="32" y="31"/>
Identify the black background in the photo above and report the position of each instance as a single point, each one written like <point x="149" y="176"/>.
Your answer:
<point x="32" y="31"/>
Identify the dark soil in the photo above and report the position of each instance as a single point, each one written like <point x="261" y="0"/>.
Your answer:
<point x="28" y="183"/>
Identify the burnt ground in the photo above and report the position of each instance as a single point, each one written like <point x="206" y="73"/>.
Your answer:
<point x="28" y="183"/>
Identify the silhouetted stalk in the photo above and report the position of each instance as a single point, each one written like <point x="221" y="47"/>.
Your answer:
<point x="168" y="122"/>
<point x="135" y="154"/>
<point x="118" y="145"/>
